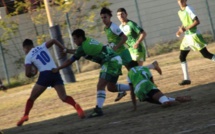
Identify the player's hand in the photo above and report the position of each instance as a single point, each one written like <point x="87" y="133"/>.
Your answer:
<point x="136" y="46"/>
<point x="115" y="48"/>
<point x="180" y="31"/>
<point x="55" y="70"/>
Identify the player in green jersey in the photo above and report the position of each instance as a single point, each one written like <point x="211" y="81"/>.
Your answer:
<point x="142" y="85"/>
<point x="192" y="38"/>
<point x="116" y="40"/>
<point x="135" y="36"/>
<point x="110" y="62"/>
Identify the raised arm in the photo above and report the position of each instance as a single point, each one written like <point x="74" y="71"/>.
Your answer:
<point x="55" y="42"/>
<point x="133" y="97"/>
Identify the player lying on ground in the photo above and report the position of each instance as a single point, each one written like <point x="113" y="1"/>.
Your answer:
<point x="142" y="85"/>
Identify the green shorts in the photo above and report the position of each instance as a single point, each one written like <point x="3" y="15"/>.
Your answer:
<point x="137" y="56"/>
<point x="143" y="88"/>
<point x="111" y="70"/>
<point x="126" y="57"/>
<point x="194" y="42"/>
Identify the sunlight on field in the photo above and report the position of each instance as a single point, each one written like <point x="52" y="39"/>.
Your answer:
<point x="50" y="115"/>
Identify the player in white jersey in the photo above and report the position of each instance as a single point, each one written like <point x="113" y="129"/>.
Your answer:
<point x="41" y="59"/>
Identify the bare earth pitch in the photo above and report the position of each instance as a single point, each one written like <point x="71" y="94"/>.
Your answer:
<point x="50" y="116"/>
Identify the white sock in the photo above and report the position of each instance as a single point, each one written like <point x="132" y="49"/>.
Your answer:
<point x="185" y="70"/>
<point x="163" y="99"/>
<point x="213" y="58"/>
<point x="171" y="99"/>
<point x="122" y="87"/>
<point x="101" y="95"/>
<point x="150" y="66"/>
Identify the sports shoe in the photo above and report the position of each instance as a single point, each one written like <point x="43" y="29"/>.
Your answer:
<point x="2" y="87"/>
<point x="185" y="82"/>
<point x="156" y="67"/>
<point x="120" y="95"/>
<point x="183" y="98"/>
<point x="169" y="104"/>
<point x="22" y="120"/>
<point x="96" y="112"/>
<point x="79" y="110"/>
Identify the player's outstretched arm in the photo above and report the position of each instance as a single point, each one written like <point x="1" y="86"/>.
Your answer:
<point x="71" y="51"/>
<point x="57" y="43"/>
<point x="133" y="98"/>
<point x="65" y="64"/>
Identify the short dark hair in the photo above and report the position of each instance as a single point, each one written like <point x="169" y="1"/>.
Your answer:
<point x="122" y="10"/>
<point x="79" y="33"/>
<point x="27" y="42"/>
<point x="106" y="10"/>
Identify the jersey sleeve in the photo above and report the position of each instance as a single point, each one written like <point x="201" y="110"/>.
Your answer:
<point x="28" y="60"/>
<point x="115" y="29"/>
<point x="79" y="53"/>
<point x="190" y="11"/>
<point x="135" y="27"/>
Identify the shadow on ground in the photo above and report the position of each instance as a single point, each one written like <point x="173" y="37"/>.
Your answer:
<point x="195" y="117"/>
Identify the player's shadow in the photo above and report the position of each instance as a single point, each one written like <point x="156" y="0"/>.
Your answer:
<point x="115" y="114"/>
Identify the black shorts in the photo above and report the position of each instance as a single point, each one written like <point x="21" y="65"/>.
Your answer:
<point x="149" y="96"/>
<point x="48" y="78"/>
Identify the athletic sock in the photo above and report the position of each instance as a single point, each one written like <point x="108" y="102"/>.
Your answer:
<point x="163" y="99"/>
<point x="29" y="105"/>
<point x="213" y="58"/>
<point x="171" y="99"/>
<point x="122" y="87"/>
<point x="101" y="95"/>
<point x="185" y="70"/>
<point x="70" y="101"/>
<point x="150" y="66"/>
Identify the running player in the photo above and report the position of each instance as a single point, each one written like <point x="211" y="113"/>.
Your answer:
<point x="142" y="85"/>
<point x="41" y="58"/>
<point x="192" y="39"/>
<point x="110" y="62"/>
<point x="135" y="36"/>
<point x="116" y="40"/>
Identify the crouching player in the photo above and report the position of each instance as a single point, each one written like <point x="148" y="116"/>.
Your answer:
<point x="142" y="85"/>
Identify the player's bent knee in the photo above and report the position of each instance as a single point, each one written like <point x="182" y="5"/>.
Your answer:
<point x="182" y="58"/>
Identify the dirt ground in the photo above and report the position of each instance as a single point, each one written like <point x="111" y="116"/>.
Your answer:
<point x="51" y="116"/>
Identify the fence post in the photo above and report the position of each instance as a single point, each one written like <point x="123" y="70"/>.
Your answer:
<point x="66" y="73"/>
<point x="71" y="41"/>
<point x="210" y="18"/>
<point x="4" y="64"/>
<point x="140" y="23"/>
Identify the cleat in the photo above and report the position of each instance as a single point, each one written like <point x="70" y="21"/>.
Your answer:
<point x="23" y="119"/>
<point x="156" y="67"/>
<point x="183" y="99"/>
<point x="96" y="112"/>
<point x="79" y="110"/>
<point x="185" y="82"/>
<point x="120" y="95"/>
<point x="2" y="87"/>
<point x="169" y="104"/>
